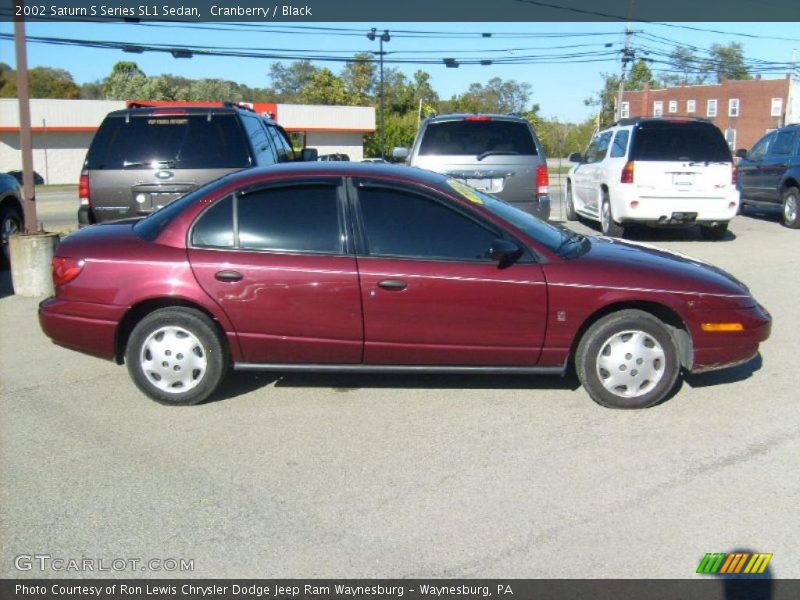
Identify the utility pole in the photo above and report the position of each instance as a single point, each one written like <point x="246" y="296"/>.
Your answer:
<point x="384" y="37"/>
<point x="25" y="136"/>
<point x="627" y="56"/>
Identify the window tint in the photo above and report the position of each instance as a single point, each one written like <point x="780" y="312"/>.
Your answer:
<point x="620" y="143"/>
<point x="214" y="228"/>
<point x="761" y="147"/>
<point x="471" y="138"/>
<point x="185" y="141"/>
<point x="784" y="142"/>
<point x="690" y="141"/>
<point x="302" y="218"/>
<point x="262" y="146"/>
<point x="399" y="223"/>
<point x="285" y="152"/>
<point x="598" y="148"/>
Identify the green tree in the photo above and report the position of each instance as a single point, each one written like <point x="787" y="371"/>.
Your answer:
<point x="685" y="68"/>
<point x="126" y="81"/>
<point x="497" y="95"/>
<point x="289" y="82"/>
<point x="43" y="82"/>
<point x="727" y="61"/>
<point x="324" y="88"/>
<point x="640" y="76"/>
<point x="359" y="80"/>
<point x="215" y="90"/>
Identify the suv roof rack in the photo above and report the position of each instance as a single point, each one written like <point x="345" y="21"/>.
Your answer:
<point x="634" y="120"/>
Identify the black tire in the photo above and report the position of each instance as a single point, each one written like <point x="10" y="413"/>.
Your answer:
<point x="714" y="232"/>
<point x="571" y="214"/>
<point x="608" y="226"/>
<point x="607" y="341"/>
<point x="192" y="347"/>
<point x="10" y="223"/>
<point x="791" y="208"/>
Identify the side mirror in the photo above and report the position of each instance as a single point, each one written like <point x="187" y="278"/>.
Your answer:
<point x="400" y="153"/>
<point x="741" y="153"/>
<point x="309" y="154"/>
<point x="504" y="251"/>
<point x="576" y="157"/>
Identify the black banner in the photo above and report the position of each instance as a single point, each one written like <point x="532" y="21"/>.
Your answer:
<point x="277" y="11"/>
<point x="422" y="589"/>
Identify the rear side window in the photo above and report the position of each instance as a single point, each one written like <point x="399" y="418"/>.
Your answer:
<point x="300" y="218"/>
<point x="472" y="138"/>
<point x="214" y="228"/>
<point x="262" y="146"/>
<point x="620" y="144"/>
<point x="679" y="142"/>
<point x="403" y="224"/>
<point x="192" y="141"/>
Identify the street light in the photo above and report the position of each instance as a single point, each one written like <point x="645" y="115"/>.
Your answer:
<point x="384" y="37"/>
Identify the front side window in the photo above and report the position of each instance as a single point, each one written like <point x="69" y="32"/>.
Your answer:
<point x="400" y="223"/>
<point x="299" y="218"/>
<point x="711" y="108"/>
<point x="620" y="144"/>
<point x="761" y="147"/>
<point x="658" y="108"/>
<point x="733" y="107"/>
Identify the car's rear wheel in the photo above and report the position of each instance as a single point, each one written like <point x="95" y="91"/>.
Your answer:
<point x="627" y="359"/>
<point x="571" y="214"/>
<point x="10" y="224"/>
<point x="176" y="356"/>
<point x="791" y="208"/>
<point x="714" y="232"/>
<point x="608" y="226"/>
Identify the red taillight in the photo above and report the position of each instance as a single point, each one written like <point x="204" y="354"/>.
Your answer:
<point x="477" y="118"/>
<point x="170" y="112"/>
<point x="542" y="180"/>
<point x="734" y="174"/>
<point x="83" y="189"/>
<point x="66" y="269"/>
<point x="627" y="173"/>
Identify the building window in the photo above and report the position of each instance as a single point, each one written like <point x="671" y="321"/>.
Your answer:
<point x="777" y="107"/>
<point x="691" y="106"/>
<point x="625" y="110"/>
<point x="673" y="106"/>
<point x="730" y="137"/>
<point x="733" y="107"/>
<point x="711" y="108"/>
<point x="658" y="108"/>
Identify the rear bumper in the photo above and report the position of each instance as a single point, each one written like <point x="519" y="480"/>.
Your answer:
<point x="713" y="351"/>
<point x="82" y="326"/>
<point x="539" y="207"/>
<point x="674" y="210"/>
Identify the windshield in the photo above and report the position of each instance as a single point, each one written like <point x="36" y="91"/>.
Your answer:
<point x="472" y="138"/>
<point x="551" y="235"/>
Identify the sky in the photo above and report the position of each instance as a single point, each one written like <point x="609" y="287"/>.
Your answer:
<point x="567" y="65"/>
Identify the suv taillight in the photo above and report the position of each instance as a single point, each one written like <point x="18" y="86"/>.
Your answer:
<point x="66" y="269"/>
<point x="627" y="173"/>
<point x="83" y="189"/>
<point x="542" y="180"/>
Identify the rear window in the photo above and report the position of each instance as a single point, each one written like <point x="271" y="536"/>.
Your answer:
<point x="680" y="141"/>
<point x="182" y="141"/>
<point x="472" y="138"/>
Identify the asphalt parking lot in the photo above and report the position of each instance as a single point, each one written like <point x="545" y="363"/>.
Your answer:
<point x="386" y="476"/>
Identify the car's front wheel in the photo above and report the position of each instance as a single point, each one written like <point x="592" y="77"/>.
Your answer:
<point x="176" y="356"/>
<point x="791" y="208"/>
<point x="627" y="359"/>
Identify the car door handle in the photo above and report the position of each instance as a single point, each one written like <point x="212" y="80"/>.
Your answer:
<point x="228" y="276"/>
<point x="393" y="284"/>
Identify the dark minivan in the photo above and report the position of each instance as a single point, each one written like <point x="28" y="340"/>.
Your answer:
<point x="144" y="157"/>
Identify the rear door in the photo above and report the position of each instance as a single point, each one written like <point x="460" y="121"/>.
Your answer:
<point x="776" y="162"/>
<point x="140" y="162"/>
<point x="751" y="176"/>
<point x="275" y="258"/>
<point x="430" y="294"/>
<point x="494" y="155"/>
<point x="677" y="158"/>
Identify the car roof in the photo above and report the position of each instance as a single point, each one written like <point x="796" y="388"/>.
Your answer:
<point x="462" y="116"/>
<point x="637" y="120"/>
<point x="187" y="109"/>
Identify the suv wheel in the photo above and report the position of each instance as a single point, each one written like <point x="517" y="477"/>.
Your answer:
<point x="607" y="224"/>
<point x="791" y="208"/>
<point x="627" y="359"/>
<point x="571" y="214"/>
<point x="713" y="232"/>
<point x="10" y="224"/>
<point x="176" y="356"/>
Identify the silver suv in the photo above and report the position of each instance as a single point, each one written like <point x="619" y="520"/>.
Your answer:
<point x="496" y="154"/>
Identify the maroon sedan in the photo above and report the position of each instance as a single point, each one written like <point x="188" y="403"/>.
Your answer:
<point x="344" y="267"/>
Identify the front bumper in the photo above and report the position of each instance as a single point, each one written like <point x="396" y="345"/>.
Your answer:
<point x="83" y="326"/>
<point x="720" y="350"/>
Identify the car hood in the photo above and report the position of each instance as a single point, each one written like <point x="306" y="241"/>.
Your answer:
<point x="618" y="263"/>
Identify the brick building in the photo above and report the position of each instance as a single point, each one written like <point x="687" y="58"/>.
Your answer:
<point x="744" y="110"/>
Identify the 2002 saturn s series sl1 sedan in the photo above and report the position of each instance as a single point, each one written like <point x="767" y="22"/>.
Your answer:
<point x="369" y="268"/>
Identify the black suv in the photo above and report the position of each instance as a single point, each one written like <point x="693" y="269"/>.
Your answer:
<point x="769" y="174"/>
<point x="144" y="157"/>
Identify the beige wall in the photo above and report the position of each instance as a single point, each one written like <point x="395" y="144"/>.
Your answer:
<point x="58" y="157"/>
<point x="333" y="143"/>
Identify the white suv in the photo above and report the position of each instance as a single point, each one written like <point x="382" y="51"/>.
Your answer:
<point x="655" y="171"/>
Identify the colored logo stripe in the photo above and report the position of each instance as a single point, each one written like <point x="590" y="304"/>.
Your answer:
<point x="733" y="564"/>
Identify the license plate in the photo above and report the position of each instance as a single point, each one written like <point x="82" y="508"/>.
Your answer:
<point x="683" y="179"/>
<point x="482" y="185"/>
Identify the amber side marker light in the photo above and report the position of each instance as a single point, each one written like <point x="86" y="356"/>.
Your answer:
<point x="722" y="327"/>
